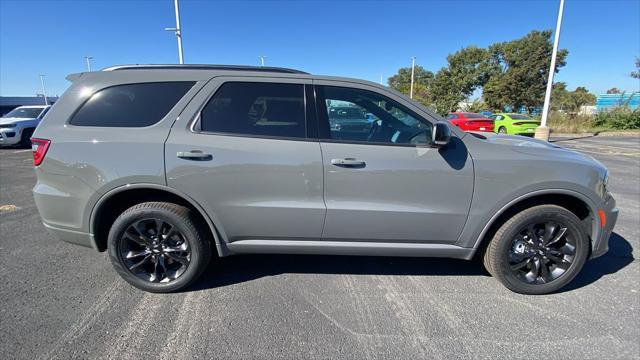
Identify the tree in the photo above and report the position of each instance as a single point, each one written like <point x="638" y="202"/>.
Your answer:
<point x="614" y="90"/>
<point x="636" y="74"/>
<point x="401" y="81"/>
<point x="580" y="96"/>
<point x="518" y="71"/>
<point x="444" y="95"/>
<point x="559" y="96"/>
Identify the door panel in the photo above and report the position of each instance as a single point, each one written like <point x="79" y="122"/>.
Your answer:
<point x="387" y="183"/>
<point x="410" y="194"/>
<point x="252" y="187"/>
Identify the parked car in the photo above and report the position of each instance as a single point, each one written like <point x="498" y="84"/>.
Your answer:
<point x="347" y="122"/>
<point x="514" y="124"/>
<point x="17" y="126"/>
<point x="467" y="121"/>
<point x="164" y="166"/>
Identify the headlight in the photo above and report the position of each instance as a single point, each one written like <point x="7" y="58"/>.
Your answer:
<point x="7" y="126"/>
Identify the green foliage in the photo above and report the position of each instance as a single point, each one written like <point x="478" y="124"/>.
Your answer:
<point x="561" y="99"/>
<point x="619" y="118"/>
<point x="636" y="74"/>
<point x="466" y="71"/>
<point x="402" y="80"/>
<point x="519" y="71"/>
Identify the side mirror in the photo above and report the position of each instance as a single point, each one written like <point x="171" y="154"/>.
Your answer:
<point x="441" y="134"/>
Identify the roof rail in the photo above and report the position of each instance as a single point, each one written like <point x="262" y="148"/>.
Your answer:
<point x="205" y="67"/>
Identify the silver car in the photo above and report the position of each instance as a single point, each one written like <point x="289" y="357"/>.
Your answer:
<point x="167" y="166"/>
<point x="17" y="126"/>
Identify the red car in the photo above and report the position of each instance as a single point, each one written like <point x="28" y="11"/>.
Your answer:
<point x="471" y="121"/>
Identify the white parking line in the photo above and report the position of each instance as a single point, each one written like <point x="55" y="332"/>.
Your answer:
<point x="21" y="151"/>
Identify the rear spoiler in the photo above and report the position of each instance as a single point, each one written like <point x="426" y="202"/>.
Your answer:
<point x="74" y="77"/>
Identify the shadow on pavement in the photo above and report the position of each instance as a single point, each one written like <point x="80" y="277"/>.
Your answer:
<point x="238" y="269"/>
<point x="620" y="255"/>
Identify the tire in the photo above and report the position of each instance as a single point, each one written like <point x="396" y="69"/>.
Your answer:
<point x="510" y="249"/>
<point x="166" y="263"/>
<point x="25" y="139"/>
<point x="502" y="130"/>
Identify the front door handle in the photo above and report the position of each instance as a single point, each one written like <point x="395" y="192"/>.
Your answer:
<point x="348" y="162"/>
<point x="196" y="155"/>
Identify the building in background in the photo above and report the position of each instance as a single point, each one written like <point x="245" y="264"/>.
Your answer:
<point x="606" y="102"/>
<point x="8" y="103"/>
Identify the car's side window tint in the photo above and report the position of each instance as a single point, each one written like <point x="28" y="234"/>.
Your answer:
<point x="356" y="115"/>
<point x="131" y="105"/>
<point x="256" y="109"/>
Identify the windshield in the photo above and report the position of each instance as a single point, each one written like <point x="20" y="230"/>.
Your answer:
<point x="30" y="113"/>
<point x="519" y="117"/>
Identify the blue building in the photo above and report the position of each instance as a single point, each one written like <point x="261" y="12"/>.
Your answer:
<point x="606" y="102"/>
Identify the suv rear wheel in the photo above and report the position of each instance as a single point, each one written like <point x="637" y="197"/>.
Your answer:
<point x="157" y="247"/>
<point x="538" y="251"/>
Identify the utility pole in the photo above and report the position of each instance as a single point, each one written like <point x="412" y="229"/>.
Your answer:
<point x="44" y="93"/>
<point x="262" y="57"/>
<point x="542" y="131"/>
<point x="178" y="31"/>
<point x="88" y="59"/>
<point x="413" y="66"/>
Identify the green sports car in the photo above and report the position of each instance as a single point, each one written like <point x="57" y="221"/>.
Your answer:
<point x="514" y="124"/>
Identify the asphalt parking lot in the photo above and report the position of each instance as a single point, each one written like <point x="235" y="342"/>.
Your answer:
<point x="64" y="301"/>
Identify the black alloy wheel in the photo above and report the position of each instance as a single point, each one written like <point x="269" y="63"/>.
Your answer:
<point x="155" y="250"/>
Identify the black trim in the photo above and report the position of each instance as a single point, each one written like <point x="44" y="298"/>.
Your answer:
<point x="310" y="113"/>
<point x="324" y="132"/>
<point x="254" y="136"/>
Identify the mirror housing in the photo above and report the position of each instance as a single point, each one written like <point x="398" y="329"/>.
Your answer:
<point x="441" y="134"/>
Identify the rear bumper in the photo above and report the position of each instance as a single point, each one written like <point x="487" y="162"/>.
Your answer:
<point x="525" y="130"/>
<point x="72" y="236"/>
<point x="601" y="245"/>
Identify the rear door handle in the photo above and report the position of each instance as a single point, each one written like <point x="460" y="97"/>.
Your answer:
<point x="348" y="162"/>
<point x="196" y="155"/>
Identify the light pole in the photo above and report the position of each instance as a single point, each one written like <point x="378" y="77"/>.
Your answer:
<point x="44" y="93"/>
<point x="542" y="131"/>
<point x="381" y="83"/>
<point x="178" y="31"/>
<point x="413" y="66"/>
<point x="88" y="59"/>
<point x="262" y="57"/>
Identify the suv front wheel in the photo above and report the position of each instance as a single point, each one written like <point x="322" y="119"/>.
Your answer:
<point x="157" y="247"/>
<point x="538" y="251"/>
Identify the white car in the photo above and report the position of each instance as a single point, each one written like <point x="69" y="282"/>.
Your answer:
<point x="17" y="126"/>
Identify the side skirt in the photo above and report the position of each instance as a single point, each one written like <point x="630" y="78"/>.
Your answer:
<point x="348" y="248"/>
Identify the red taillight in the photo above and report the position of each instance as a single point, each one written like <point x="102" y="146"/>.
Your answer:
<point x="39" y="147"/>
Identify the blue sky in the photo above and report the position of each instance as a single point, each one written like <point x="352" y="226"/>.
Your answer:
<point x="356" y="39"/>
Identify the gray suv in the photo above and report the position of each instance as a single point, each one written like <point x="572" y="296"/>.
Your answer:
<point x="165" y="166"/>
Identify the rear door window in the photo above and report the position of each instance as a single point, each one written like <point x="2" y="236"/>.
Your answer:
<point x="256" y="109"/>
<point x="131" y="105"/>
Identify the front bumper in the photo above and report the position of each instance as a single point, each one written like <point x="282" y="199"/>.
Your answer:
<point x="601" y="244"/>
<point x="10" y="136"/>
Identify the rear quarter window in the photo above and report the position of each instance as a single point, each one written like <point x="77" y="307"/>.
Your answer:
<point x="131" y="105"/>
